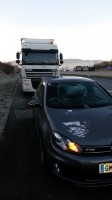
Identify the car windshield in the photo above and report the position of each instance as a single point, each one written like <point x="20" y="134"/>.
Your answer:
<point x="77" y="95"/>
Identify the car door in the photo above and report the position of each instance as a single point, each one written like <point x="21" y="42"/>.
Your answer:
<point x="41" y="118"/>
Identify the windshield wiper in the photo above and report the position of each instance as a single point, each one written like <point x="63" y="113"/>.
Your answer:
<point x="80" y="106"/>
<point x="36" y="62"/>
<point x="30" y="62"/>
<point x="47" y="62"/>
<point x="40" y="62"/>
<point x="53" y="62"/>
<point x="69" y="107"/>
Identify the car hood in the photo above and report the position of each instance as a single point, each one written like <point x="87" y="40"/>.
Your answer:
<point x="91" y="126"/>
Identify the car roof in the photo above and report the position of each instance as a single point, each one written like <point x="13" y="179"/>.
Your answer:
<point x="64" y="79"/>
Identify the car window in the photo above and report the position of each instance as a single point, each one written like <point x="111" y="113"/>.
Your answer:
<point x="77" y="95"/>
<point x="98" y="93"/>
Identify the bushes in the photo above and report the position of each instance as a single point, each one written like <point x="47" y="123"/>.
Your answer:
<point x="6" y="68"/>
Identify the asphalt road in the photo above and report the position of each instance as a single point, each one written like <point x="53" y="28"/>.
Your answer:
<point x="105" y="82"/>
<point x="21" y="173"/>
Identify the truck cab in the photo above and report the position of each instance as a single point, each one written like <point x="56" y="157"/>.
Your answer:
<point x="39" y="58"/>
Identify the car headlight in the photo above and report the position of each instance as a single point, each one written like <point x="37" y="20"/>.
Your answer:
<point x="65" y="144"/>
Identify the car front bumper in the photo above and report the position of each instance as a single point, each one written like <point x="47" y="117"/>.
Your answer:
<point x="82" y="170"/>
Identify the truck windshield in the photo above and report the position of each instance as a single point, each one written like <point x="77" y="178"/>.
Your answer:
<point x="40" y="57"/>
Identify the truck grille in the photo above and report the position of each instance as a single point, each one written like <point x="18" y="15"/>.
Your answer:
<point x="40" y="70"/>
<point x="37" y="75"/>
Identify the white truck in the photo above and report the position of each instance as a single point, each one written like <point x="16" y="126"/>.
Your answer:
<point x="39" y="58"/>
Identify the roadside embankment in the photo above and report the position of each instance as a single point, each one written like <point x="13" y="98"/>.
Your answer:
<point x="8" y="85"/>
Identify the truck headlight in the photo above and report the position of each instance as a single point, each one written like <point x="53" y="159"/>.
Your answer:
<point x="65" y="143"/>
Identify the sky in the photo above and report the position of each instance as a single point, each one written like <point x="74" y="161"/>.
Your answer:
<point x="82" y="29"/>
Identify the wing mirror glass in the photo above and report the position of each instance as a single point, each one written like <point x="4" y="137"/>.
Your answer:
<point x="34" y="103"/>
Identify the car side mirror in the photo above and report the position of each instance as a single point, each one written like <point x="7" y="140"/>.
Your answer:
<point x="34" y="103"/>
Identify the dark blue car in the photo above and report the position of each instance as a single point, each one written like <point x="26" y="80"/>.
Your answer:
<point x="73" y="117"/>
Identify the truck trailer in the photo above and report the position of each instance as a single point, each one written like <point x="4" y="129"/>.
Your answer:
<point x="38" y="58"/>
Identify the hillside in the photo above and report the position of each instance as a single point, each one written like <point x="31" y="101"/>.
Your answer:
<point x="8" y="68"/>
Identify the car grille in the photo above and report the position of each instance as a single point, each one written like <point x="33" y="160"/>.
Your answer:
<point x="97" y="149"/>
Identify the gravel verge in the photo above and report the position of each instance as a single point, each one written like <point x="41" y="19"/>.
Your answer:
<point x="8" y="85"/>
